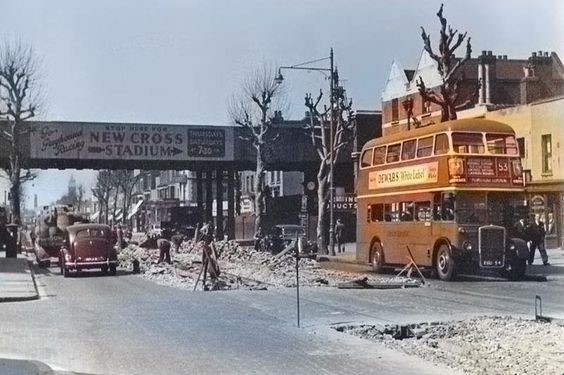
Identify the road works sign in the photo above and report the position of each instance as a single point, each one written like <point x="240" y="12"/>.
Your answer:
<point x="130" y="141"/>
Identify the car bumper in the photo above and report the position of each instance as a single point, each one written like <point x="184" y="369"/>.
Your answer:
<point x="94" y="264"/>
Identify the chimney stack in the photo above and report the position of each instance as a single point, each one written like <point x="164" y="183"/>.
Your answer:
<point x="534" y="54"/>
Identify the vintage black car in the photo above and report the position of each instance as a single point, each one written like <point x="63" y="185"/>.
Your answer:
<point x="88" y="246"/>
<point x="282" y="235"/>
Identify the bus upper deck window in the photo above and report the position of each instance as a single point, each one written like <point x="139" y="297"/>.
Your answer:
<point x="393" y="154"/>
<point x="501" y="144"/>
<point x="408" y="150"/>
<point x="379" y="155"/>
<point x="366" y="158"/>
<point x="441" y="144"/>
<point x="425" y="147"/>
<point x="468" y="143"/>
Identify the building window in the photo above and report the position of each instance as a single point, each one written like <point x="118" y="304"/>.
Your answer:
<point x="172" y="195"/>
<point x="425" y="106"/>
<point x="521" y="144"/>
<point x="395" y="109"/>
<point x="278" y="176"/>
<point x="546" y="153"/>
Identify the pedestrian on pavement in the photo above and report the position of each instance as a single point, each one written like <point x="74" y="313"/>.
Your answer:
<point x="521" y="230"/>
<point x="339" y="229"/>
<point x="536" y="235"/>
<point x="164" y="250"/>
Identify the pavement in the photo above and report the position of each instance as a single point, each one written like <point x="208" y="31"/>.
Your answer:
<point x="17" y="281"/>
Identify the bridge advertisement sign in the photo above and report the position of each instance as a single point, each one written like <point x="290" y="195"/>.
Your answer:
<point x="131" y="141"/>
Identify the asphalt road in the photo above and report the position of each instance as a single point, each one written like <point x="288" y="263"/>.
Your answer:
<point x="127" y="325"/>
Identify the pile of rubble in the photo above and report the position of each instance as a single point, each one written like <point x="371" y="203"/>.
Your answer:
<point x="483" y="345"/>
<point x="241" y="267"/>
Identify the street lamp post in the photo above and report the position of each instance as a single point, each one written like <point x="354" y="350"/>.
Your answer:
<point x="332" y="75"/>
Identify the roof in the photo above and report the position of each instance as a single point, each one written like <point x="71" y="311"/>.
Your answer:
<point x="76" y="227"/>
<point x="455" y="125"/>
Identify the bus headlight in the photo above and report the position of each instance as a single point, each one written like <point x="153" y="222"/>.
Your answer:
<point x="467" y="245"/>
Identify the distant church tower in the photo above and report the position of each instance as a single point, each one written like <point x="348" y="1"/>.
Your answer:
<point x="72" y="187"/>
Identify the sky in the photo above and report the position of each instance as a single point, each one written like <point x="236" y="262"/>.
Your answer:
<point x="180" y="61"/>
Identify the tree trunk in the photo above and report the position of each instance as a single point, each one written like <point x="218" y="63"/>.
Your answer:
<point x="15" y="197"/>
<point x="259" y="193"/>
<point x="322" y="195"/>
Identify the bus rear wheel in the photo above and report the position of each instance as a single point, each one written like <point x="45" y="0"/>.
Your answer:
<point x="444" y="264"/>
<point x="377" y="257"/>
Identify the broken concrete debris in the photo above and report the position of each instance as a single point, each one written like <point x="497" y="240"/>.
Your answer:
<point x="482" y="345"/>
<point x="241" y="267"/>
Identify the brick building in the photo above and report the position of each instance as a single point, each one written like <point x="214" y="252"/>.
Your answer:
<point x="505" y="82"/>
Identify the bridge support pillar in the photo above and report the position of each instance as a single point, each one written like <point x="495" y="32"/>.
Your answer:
<point x="219" y="204"/>
<point x="208" y="215"/>
<point x="231" y="204"/>
<point x="200" y="196"/>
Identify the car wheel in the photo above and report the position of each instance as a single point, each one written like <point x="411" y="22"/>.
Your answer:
<point x="105" y="269"/>
<point x="444" y="264"/>
<point x="113" y="270"/>
<point x="377" y="257"/>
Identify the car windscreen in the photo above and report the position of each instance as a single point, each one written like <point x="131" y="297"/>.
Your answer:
<point x="91" y="232"/>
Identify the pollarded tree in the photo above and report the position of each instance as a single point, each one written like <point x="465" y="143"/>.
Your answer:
<point x="125" y="180"/>
<point x="253" y="109"/>
<point x="102" y="190"/>
<point x="448" y="66"/>
<point x="319" y="131"/>
<point x="19" y="101"/>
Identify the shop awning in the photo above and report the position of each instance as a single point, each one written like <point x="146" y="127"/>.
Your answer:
<point x="135" y="209"/>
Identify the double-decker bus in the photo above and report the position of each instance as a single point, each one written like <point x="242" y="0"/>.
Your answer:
<point x="451" y="192"/>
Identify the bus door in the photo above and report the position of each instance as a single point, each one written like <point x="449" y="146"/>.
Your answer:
<point x="443" y="224"/>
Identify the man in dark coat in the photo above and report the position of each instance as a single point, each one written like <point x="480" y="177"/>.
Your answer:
<point x="536" y="235"/>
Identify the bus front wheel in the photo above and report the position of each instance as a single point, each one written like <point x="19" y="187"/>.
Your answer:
<point x="444" y="264"/>
<point x="377" y="257"/>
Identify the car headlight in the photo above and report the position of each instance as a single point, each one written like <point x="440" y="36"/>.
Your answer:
<point x="467" y="245"/>
<point x="68" y="258"/>
<point x="512" y="247"/>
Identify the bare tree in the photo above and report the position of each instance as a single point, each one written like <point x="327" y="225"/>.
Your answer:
<point x="79" y="197"/>
<point x="102" y="190"/>
<point x="319" y="130"/>
<point x="253" y="109"/>
<point x="19" y="101"/>
<point x="448" y="66"/>
<point x="125" y="181"/>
